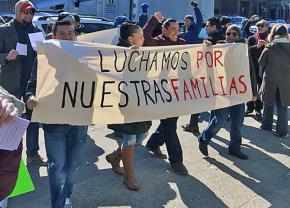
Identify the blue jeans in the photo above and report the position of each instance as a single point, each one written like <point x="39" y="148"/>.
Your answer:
<point x="64" y="147"/>
<point x="32" y="135"/>
<point x="166" y="133"/>
<point x="129" y="140"/>
<point x="282" y="117"/>
<point x="218" y="120"/>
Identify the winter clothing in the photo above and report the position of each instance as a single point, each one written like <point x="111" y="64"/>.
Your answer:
<point x="275" y="72"/>
<point x="191" y="33"/>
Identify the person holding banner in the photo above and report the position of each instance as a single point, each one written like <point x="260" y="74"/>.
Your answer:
<point x="219" y="116"/>
<point x="10" y="108"/>
<point x="64" y="143"/>
<point x="166" y="132"/>
<point x="132" y="134"/>
<point x="213" y="30"/>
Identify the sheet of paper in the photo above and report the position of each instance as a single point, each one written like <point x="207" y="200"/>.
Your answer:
<point x="11" y="133"/>
<point x="35" y="38"/>
<point x="21" y="49"/>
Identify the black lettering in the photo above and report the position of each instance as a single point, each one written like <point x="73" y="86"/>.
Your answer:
<point x="136" y="88"/>
<point x="124" y="93"/>
<point x="184" y="61"/>
<point x="154" y="61"/>
<point x="157" y="91"/>
<point x="73" y="98"/>
<point x="164" y="88"/>
<point x="116" y="60"/>
<point x="146" y="60"/>
<point x="92" y="95"/>
<point x="175" y="58"/>
<point x="129" y="63"/>
<point x="166" y="59"/>
<point x="105" y="93"/>
<point x="146" y="90"/>
<point x="101" y="62"/>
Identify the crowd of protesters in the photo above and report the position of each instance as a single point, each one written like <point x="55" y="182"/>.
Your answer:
<point x="269" y="58"/>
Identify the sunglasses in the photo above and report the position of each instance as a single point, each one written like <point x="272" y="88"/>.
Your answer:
<point x="28" y="12"/>
<point x="232" y="33"/>
<point x="260" y="26"/>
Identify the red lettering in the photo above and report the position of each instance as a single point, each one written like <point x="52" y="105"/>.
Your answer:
<point x="212" y="88"/>
<point x="222" y="85"/>
<point x="199" y="58"/>
<point x="243" y="83"/>
<point x="208" y="55"/>
<point x="194" y="86"/>
<point x="233" y="86"/>
<point x="185" y="90"/>
<point x="204" y="87"/>
<point x="217" y="56"/>
<point x="175" y="88"/>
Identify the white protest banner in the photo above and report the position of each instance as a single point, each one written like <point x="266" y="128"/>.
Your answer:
<point x="85" y="83"/>
<point x="109" y="36"/>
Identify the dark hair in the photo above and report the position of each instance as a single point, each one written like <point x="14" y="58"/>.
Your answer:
<point x="215" y="21"/>
<point x="167" y="22"/>
<point x="225" y="20"/>
<point x="127" y="29"/>
<point x="58" y="23"/>
<point x="278" y="31"/>
<point x="77" y="17"/>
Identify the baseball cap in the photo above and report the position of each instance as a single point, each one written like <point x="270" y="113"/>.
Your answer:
<point x="27" y="6"/>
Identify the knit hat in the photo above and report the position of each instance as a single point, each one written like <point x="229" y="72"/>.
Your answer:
<point x="144" y="7"/>
<point x="119" y="20"/>
<point x="235" y="28"/>
<point x="190" y="17"/>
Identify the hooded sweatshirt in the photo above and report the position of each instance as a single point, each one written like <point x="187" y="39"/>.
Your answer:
<point x="23" y="29"/>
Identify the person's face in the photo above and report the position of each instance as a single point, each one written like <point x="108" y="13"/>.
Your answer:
<point x="172" y="32"/>
<point x="209" y="29"/>
<point x="27" y="16"/>
<point x="64" y="32"/>
<point x="187" y="22"/>
<point x="137" y="38"/>
<point x="262" y="28"/>
<point x="232" y="36"/>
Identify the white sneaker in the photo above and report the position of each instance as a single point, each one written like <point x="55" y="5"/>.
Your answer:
<point x="4" y="203"/>
<point x="67" y="203"/>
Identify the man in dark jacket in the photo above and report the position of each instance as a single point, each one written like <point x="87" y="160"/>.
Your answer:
<point x="257" y="44"/>
<point x="213" y="30"/>
<point x="191" y="30"/>
<point x="166" y="132"/>
<point x="15" y="69"/>
<point x="143" y="17"/>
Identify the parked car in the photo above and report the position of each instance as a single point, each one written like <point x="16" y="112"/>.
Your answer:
<point x="89" y="24"/>
<point x="254" y="28"/>
<point x="237" y="20"/>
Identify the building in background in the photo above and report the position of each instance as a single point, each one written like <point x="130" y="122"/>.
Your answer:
<point x="269" y="9"/>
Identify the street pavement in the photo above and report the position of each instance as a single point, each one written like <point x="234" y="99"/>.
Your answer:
<point x="219" y="180"/>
